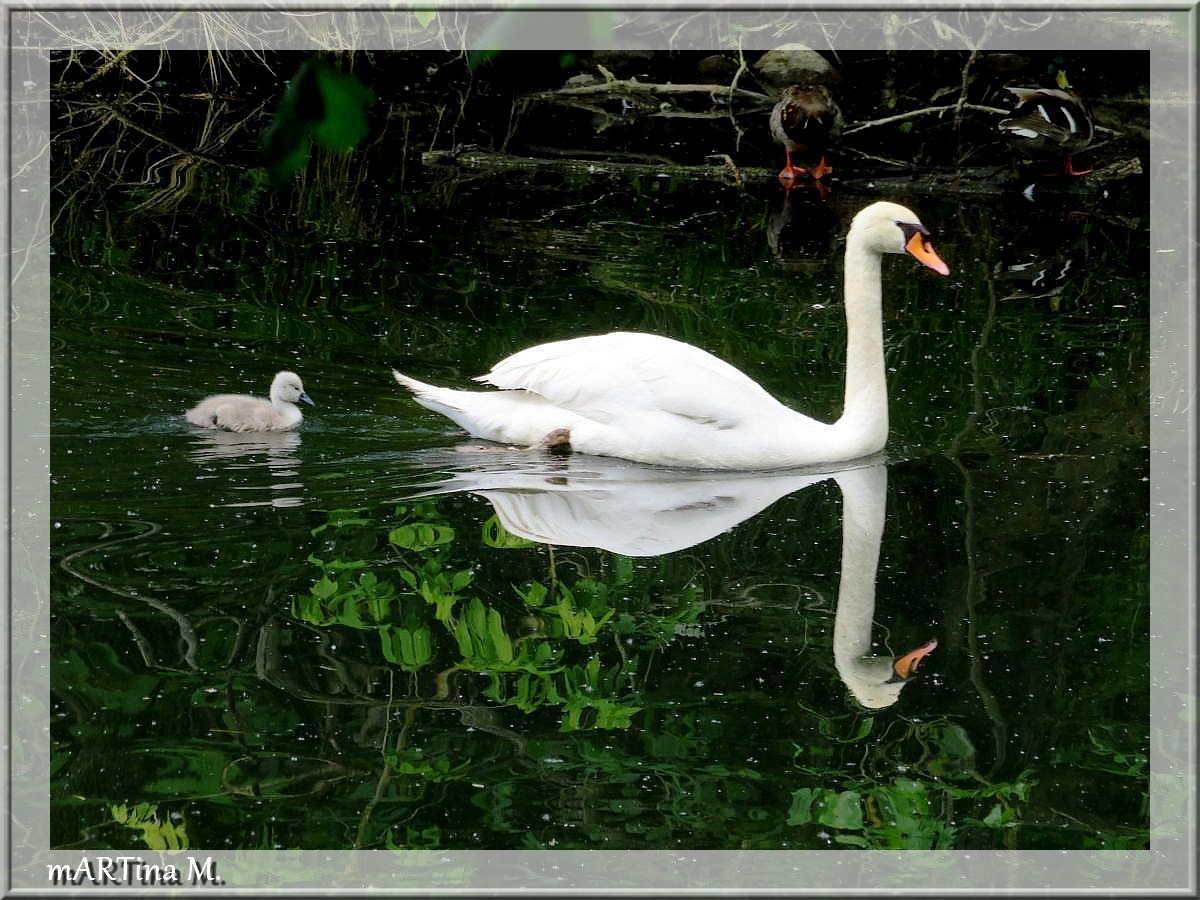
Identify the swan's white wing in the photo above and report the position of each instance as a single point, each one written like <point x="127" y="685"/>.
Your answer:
<point x="606" y="376"/>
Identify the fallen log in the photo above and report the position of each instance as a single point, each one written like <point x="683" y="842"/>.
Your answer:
<point x="980" y="181"/>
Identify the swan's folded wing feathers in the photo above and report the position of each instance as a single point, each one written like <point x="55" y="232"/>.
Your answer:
<point x="606" y="376"/>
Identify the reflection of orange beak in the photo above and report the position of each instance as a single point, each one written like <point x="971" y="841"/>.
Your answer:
<point x="923" y="253"/>
<point x="906" y="666"/>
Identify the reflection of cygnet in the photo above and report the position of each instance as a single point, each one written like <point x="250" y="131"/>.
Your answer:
<point x="875" y="681"/>
<point x="241" y="412"/>
<point x="278" y="446"/>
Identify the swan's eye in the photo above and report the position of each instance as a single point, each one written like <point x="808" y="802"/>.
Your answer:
<point x="908" y="229"/>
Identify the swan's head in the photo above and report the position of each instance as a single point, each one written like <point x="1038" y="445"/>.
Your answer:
<point x="891" y="228"/>
<point x="876" y="682"/>
<point x="287" y="387"/>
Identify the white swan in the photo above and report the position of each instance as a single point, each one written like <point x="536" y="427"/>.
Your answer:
<point x="241" y="412"/>
<point x="656" y="400"/>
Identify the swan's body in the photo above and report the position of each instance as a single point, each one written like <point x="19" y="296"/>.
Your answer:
<point x="656" y="400"/>
<point x="242" y="412"/>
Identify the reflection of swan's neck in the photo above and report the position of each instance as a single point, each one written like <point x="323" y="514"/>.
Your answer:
<point x="865" y="410"/>
<point x="864" y="496"/>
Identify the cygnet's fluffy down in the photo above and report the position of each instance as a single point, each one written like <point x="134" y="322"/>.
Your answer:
<point x="241" y="412"/>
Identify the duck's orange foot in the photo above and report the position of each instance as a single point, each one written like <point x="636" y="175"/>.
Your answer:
<point x="822" y="169"/>
<point x="1068" y="169"/>
<point x="790" y="174"/>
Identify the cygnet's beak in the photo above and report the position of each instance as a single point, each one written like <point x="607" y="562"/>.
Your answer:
<point x="906" y="666"/>
<point x="307" y="399"/>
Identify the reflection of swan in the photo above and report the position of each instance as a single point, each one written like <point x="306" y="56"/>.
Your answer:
<point x="623" y="507"/>
<point x="641" y="511"/>
<point x="247" y="451"/>
<point x="875" y="681"/>
<point x="656" y="400"/>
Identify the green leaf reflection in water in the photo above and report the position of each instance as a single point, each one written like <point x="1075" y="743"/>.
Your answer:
<point x="427" y="613"/>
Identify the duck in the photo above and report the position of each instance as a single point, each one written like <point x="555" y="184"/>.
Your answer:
<point x="653" y="399"/>
<point x="1050" y="121"/>
<point x="806" y="119"/>
<point x="243" y="412"/>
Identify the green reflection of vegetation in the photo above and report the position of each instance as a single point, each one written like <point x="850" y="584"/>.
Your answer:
<point x="429" y="612"/>
<point x="420" y="691"/>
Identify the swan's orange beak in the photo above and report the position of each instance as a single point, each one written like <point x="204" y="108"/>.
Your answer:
<point x="920" y="249"/>
<point x="906" y="666"/>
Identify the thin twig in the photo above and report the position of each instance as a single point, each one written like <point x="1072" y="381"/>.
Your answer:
<point x="637" y="87"/>
<point x="899" y="117"/>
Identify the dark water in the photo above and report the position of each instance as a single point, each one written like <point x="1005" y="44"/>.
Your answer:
<point x="274" y="643"/>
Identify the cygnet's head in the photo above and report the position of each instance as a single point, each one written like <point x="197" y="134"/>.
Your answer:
<point x="288" y="388"/>
<point x="891" y="228"/>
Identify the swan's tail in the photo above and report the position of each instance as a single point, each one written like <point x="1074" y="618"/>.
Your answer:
<point x="479" y="413"/>
<point x="507" y="417"/>
<point x="439" y="399"/>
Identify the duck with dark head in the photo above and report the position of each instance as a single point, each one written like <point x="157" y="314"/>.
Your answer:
<point x="806" y="120"/>
<point x="1050" y="122"/>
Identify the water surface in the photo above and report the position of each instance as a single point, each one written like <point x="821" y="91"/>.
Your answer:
<point x="373" y="632"/>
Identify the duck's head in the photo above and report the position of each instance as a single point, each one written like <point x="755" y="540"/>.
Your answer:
<point x="286" y="386"/>
<point x="886" y="227"/>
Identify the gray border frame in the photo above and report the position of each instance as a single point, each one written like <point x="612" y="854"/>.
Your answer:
<point x="31" y="30"/>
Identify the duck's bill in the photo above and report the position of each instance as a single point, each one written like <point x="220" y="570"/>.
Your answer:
<point x="921" y="250"/>
<point x="906" y="666"/>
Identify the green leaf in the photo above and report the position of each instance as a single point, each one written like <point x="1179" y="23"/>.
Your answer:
<point x="462" y="634"/>
<point x="496" y="535"/>
<point x="319" y="104"/>
<point x="845" y="811"/>
<point x="421" y="535"/>
<point x="500" y="640"/>
<point x="534" y="595"/>
<point x="324" y="588"/>
<point x="344" y="124"/>
<point x="411" y="649"/>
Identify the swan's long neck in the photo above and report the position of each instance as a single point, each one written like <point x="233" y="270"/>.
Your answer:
<point x="865" y="411"/>
<point x="864" y="499"/>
